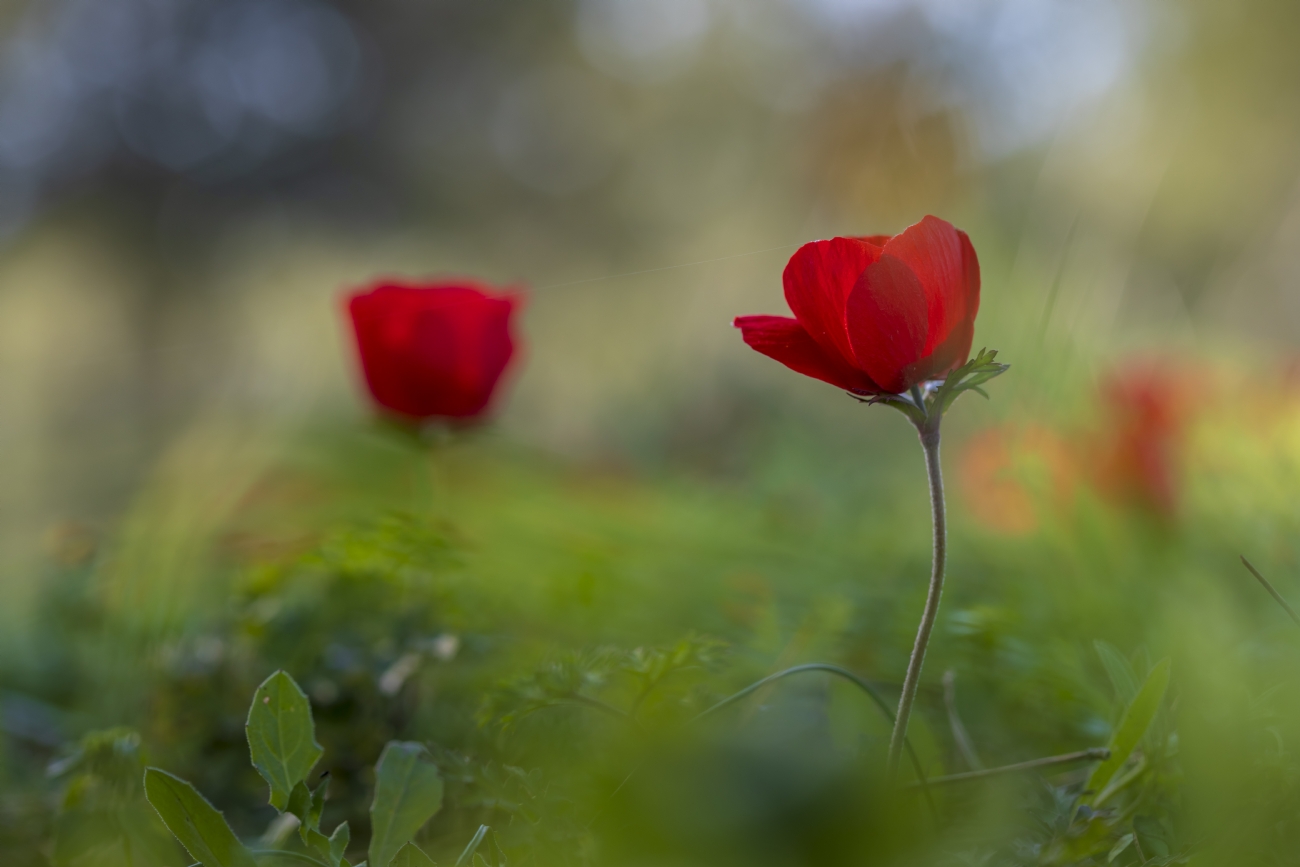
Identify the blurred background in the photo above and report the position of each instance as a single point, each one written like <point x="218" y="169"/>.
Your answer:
<point x="187" y="187"/>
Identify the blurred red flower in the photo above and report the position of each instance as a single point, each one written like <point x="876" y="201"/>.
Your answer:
<point x="1139" y="454"/>
<point x="877" y="314"/>
<point x="1008" y="474"/>
<point x="433" y="350"/>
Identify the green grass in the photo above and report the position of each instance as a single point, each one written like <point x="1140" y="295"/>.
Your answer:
<point x="455" y="594"/>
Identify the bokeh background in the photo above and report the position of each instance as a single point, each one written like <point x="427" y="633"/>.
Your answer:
<point x="187" y="187"/>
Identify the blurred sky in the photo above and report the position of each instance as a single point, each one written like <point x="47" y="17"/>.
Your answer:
<point x="186" y="186"/>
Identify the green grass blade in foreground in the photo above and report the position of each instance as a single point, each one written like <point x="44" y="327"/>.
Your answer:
<point x="1119" y="670"/>
<point x="408" y="792"/>
<point x="282" y="736"/>
<point x="1137" y="719"/>
<point x="411" y="855"/>
<point x="1272" y="591"/>
<point x="199" y="826"/>
<point x="472" y="849"/>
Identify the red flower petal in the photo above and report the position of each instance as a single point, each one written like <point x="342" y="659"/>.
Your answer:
<point x="949" y="355"/>
<point x="435" y="350"/>
<point x="787" y="341"/>
<point x="887" y="319"/>
<point x="458" y="353"/>
<point x="818" y="280"/>
<point x="944" y="262"/>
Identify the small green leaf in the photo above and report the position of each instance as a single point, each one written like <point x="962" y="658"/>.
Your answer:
<point x="307" y="806"/>
<point x="1119" y="670"/>
<point x="318" y="802"/>
<point x="199" y="826"/>
<point x="338" y="843"/>
<point x="1137" y="719"/>
<point x="282" y="736"/>
<point x="411" y="855"/>
<point x="408" y="791"/>
<point x="480" y="861"/>
<point x="1118" y="848"/>
<point x="318" y="841"/>
<point x="1151" y="836"/>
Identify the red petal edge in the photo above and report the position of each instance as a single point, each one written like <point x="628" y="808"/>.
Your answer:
<point x="818" y="280"/>
<point x="787" y="341"/>
<point x="941" y="257"/>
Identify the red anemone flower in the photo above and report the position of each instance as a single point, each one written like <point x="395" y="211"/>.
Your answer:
<point x="1139" y="456"/>
<point x="876" y="315"/>
<point x="433" y="350"/>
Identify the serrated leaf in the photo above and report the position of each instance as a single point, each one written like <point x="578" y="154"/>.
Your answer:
<point x="408" y="792"/>
<point x="282" y="736"/>
<point x="338" y="843"/>
<point x="411" y="855"/>
<point x="318" y="841"/>
<point x="199" y="826"/>
<point x="1137" y="719"/>
<point x="480" y="861"/>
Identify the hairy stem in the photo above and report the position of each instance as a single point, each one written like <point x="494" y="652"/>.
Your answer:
<point x="929" y="431"/>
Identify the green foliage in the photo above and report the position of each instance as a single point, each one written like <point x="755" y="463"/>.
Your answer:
<point x="631" y="677"/>
<point x="528" y="632"/>
<point x="1139" y="715"/>
<point x="282" y="736"/>
<point x="969" y="377"/>
<point x="104" y="817"/>
<point x="198" y="825"/>
<point x="411" y="855"/>
<point x="408" y="792"/>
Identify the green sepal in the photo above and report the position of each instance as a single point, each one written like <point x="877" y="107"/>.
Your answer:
<point x="969" y="377"/>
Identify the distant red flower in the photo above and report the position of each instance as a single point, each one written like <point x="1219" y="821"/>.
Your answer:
<point x="877" y="314"/>
<point x="1139" y="454"/>
<point x="1011" y="473"/>
<point x="433" y="350"/>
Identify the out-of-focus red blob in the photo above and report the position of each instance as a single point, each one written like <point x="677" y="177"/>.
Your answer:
<point x="1008" y="474"/>
<point x="877" y="314"/>
<point x="433" y="350"/>
<point x="1147" y="409"/>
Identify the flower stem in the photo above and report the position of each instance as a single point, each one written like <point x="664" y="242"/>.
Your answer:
<point x="929" y="431"/>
